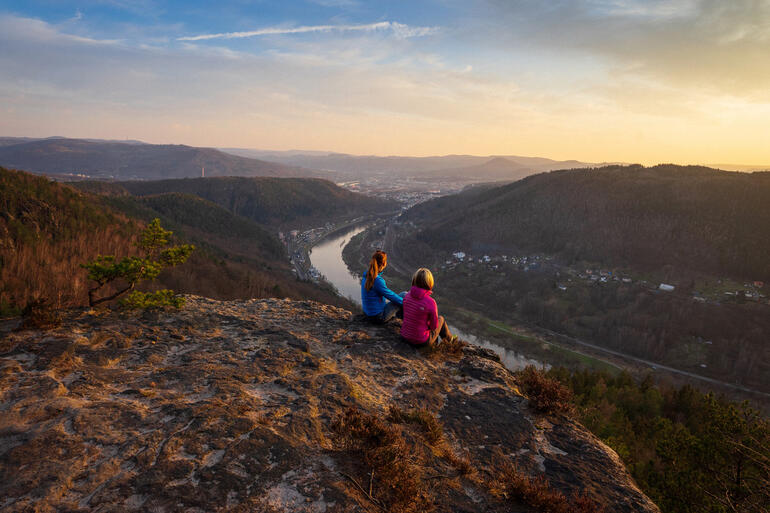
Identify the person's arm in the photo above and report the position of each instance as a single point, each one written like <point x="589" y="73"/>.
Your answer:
<point x="433" y="315"/>
<point x="384" y="291"/>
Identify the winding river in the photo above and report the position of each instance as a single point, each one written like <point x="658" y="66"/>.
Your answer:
<point x="326" y="256"/>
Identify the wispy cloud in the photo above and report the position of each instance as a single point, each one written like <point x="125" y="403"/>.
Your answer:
<point x="398" y="29"/>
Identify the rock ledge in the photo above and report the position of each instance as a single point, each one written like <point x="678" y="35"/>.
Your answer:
<point x="228" y="406"/>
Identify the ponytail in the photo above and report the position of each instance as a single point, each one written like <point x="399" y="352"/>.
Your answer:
<point x="377" y="264"/>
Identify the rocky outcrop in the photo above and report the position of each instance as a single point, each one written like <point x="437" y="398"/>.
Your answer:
<point x="231" y="406"/>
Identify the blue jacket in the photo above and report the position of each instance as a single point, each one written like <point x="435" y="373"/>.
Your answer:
<point x="373" y="301"/>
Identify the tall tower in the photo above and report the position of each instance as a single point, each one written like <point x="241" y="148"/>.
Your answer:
<point x="203" y="172"/>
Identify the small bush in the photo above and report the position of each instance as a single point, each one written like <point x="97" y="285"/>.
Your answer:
<point x="445" y="348"/>
<point x="40" y="314"/>
<point x="545" y="395"/>
<point x="147" y="300"/>
<point x="431" y="427"/>
<point x="155" y="243"/>
<point x="537" y="493"/>
<point x="386" y="457"/>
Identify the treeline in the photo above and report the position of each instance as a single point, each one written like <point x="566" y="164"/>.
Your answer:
<point x="689" y="452"/>
<point x="696" y="219"/>
<point x="275" y="202"/>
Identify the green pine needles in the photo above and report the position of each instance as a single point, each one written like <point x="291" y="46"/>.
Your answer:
<point x="158" y="255"/>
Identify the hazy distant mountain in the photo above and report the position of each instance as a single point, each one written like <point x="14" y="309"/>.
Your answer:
<point x="132" y="160"/>
<point x="495" y="169"/>
<point x="468" y="167"/>
<point x="743" y="168"/>
<point x="11" y="141"/>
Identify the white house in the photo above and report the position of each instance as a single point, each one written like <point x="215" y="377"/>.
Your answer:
<point x="666" y="287"/>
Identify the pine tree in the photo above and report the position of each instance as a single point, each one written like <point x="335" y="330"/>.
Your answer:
<point x="131" y="270"/>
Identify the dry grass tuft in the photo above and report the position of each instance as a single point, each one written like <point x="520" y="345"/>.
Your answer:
<point x="431" y="427"/>
<point x="545" y="395"/>
<point x="462" y="463"/>
<point x="393" y="479"/>
<point x="537" y="493"/>
<point x="446" y="349"/>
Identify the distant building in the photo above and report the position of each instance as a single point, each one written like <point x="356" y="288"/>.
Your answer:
<point x="666" y="287"/>
<point x="759" y="284"/>
<point x="459" y="255"/>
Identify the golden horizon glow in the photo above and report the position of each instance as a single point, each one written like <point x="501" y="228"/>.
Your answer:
<point x="685" y="82"/>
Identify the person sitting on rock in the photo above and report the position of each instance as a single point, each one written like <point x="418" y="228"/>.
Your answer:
<point x="379" y="302"/>
<point x="422" y="324"/>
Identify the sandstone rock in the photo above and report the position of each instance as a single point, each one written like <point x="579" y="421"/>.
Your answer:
<point x="229" y="406"/>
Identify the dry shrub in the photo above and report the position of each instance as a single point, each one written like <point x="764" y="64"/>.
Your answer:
<point x="382" y="450"/>
<point x="431" y="427"/>
<point x="433" y="431"/>
<point x="537" y="493"/>
<point x="545" y="395"/>
<point x="452" y="349"/>
<point x="40" y="314"/>
<point x="462" y="463"/>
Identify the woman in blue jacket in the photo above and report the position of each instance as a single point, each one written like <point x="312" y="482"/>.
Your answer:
<point x="379" y="302"/>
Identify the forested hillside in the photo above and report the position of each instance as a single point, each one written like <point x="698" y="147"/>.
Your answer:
<point x="121" y="160"/>
<point x="271" y="201"/>
<point x="693" y="218"/>
<point x="583" y="252"/>
<point x="48" y="229"/>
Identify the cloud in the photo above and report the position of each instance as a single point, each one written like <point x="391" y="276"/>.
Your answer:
<point x="399" y="29"/>
<point x="708" y="45"/>
<point x="569" y="96"/>
<point x="336" y="3"/>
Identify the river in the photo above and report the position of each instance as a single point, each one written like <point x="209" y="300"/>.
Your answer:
<point x="326" y="256"/>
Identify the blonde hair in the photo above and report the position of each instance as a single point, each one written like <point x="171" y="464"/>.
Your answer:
<point x="423" y="278"/>
<point x="376" y="265"/>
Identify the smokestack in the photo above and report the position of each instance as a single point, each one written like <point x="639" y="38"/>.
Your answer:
<point x="203" y="172"/>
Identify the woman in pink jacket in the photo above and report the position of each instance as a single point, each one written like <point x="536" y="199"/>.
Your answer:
<point x="422" y="324"/>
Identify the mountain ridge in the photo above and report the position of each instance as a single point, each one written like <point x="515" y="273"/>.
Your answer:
<point x="126" y="160"/>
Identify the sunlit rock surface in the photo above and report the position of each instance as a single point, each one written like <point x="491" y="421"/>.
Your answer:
<point x="228" y="406"/>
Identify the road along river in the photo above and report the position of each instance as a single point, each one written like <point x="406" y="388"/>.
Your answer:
<point x="326" y="256"/>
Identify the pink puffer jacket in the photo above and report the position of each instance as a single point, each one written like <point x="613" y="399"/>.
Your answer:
<point x="420" y="315"/>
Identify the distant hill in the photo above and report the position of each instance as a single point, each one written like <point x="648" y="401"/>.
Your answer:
<point x="694" y="218"/>
<point x="47" y="229"/>
<point x="469" y="167"/>
<point x="275" y="202"/>
<point x="495" y="169"/>
<point x="131" y="160"/>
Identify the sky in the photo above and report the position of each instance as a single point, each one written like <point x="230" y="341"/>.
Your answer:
<point x="647" y="81"/>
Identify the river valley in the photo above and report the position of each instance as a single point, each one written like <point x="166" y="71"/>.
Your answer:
<point x="326" y="256"/>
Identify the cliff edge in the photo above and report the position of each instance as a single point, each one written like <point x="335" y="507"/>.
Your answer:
<point x="251" y="406"/>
